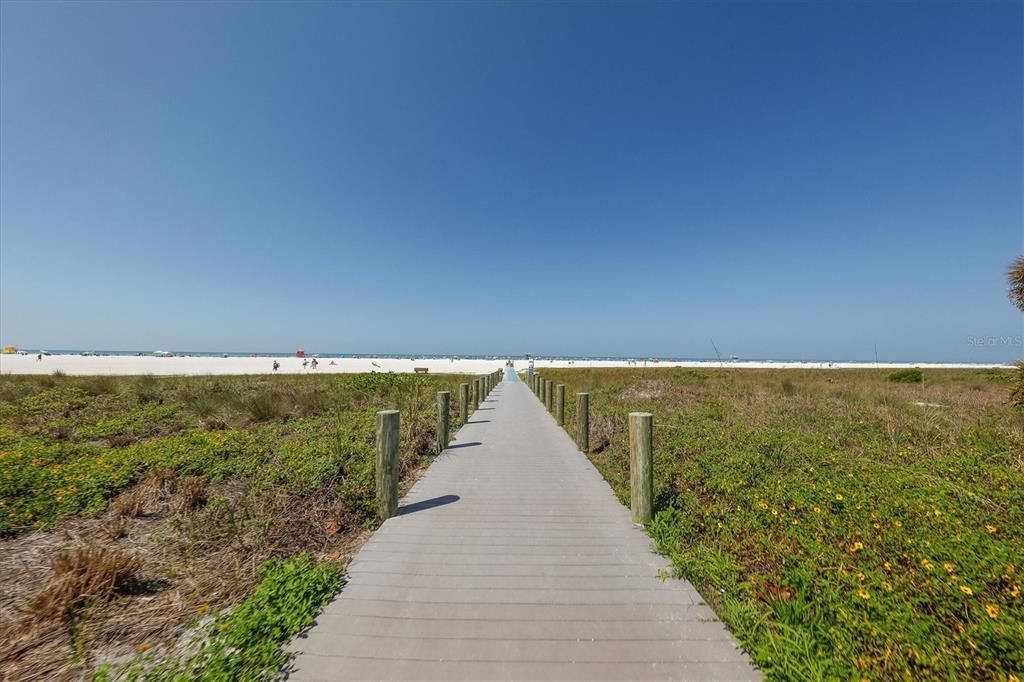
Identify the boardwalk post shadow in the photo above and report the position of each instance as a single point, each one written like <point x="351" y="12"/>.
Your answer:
<point x="427" y="504"/>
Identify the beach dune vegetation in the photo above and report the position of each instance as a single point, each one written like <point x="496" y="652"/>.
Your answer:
<point x="132" y="507"/>
<point x="844" y="526"/>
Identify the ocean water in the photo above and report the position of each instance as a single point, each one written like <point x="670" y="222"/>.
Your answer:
<point x="446" y="356"/>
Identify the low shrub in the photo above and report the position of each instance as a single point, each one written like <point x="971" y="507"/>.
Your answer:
<point x="80" y="576"/>
<point x="906" y="376"/>
<point x="1017" y="390"/>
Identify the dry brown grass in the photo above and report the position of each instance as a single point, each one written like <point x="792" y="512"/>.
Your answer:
<point x="81" y="576"/>
<point x="190" y="494"/>
<point x="116" y="528"/>
<point x="159" y="484"/>
<point x="131" y="503"/>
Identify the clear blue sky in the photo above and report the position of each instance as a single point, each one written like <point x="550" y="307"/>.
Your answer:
<point x="785" y="179"/>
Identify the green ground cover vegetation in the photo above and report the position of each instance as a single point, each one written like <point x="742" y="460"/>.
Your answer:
<point x="845" y="524"/>
<point x="188" y="497"/>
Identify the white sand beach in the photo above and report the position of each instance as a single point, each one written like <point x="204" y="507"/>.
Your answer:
<point x="191" y="365"/>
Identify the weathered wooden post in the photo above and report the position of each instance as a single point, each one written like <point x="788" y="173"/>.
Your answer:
<point x="387" y="463"/>
<point x="560" y="404"/>
<point x="536" y="384"/>
<point x="443" y="404"/>
<point x="476" y="394"/>
<point x="583" y="422"/>
<point x="641" y="466"/>
<point x="464" y="402"/>
<point x="549" y="388"/>
<point x="540" y="389"/>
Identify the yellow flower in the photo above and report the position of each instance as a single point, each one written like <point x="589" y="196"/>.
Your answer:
<point x="775" y="512"/>
<point x="817" y="510"/>
<point x="966" y="590"/>
<point x="948" y="566"/>
<point x="864" y="594"/>
<point x="838" y="496"/>
<point x="992" y="610"/>
<point x="887" y="585"/>
<point x="857" y="546"/>
<point x="991" y="529"/>
<point x="877" y="526"/>
<point x="927" y="564"/>
<point x="1015" y="592"/>
<point x="936" y="512"/>
<point x="898" y="524"/>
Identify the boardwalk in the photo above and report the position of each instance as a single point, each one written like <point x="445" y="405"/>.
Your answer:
<point x="512" y="559"/>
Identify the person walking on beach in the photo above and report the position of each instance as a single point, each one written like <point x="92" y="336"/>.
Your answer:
<point x="313" y="364"/>
<point x="39" y="358"/>
<point x="276" y="365"/>
<point x="305" y="363"/>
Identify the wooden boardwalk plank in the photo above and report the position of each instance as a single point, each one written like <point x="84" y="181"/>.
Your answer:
<point x="512" y="559"/>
